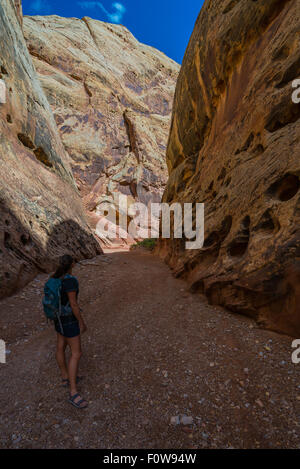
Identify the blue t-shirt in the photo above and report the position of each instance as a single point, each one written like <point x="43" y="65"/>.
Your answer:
<point x="69" y="284"/>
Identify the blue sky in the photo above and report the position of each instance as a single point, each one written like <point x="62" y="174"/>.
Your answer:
<point x="164" y="24"/>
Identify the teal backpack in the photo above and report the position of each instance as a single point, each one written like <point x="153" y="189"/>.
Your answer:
<point x="53" y="308"/>
<point x="52" y="298"/>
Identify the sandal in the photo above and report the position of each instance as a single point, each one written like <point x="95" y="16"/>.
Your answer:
<point x="78" y="404"/>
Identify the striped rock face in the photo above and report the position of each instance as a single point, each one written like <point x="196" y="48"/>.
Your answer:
<point x="112" y="99"/>
<point x="2" y="92"/>
<point x="19" y="11"/>
<point x="234" y="145"/>
<point x="41" y="212"/>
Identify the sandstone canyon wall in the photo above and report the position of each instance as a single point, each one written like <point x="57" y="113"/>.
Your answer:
<point x="41" y="211"/>
<point x="19" y="10"/>
<point x="234" y="145"/>
<point x="112" y="99"/>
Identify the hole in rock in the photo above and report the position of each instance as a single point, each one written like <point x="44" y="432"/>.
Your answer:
<point x="211" y="239"/>
<point x="238" y="247"/>
<point x="221" y="86"/>
<point x="133" y="189"/>
<point x="219" y="236"/>
<point x="285" y="113"/>
<point x="26" y="141"/>
<point x="266" y="223"/>
<point x="24" y="240"/>
<point x="6" y="240"/>
<point x="43" y="157"/>
<point x="246" y="222"/>
<point x="286" y="188"/>
<point x="282" y="53"/>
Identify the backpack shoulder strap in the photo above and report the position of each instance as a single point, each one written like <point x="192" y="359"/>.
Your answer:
<point x="68" y="276"/>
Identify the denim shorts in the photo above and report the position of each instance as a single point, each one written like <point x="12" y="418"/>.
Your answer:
<point x="70" y="327"/>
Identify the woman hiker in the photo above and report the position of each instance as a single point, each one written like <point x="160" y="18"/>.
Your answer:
<point x="69" y="330"/>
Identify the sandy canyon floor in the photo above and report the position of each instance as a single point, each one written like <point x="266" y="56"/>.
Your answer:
<point x="153" y="353"/>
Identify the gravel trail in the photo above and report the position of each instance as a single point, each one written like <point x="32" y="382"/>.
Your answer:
<point x="162" y="368"/>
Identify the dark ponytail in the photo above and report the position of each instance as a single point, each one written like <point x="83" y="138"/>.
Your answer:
<point x="65" y="264"/>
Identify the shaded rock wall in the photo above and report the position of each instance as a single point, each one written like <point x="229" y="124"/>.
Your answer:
<point x="41" y="212"/>
<point x="234" y="145"/>
<point x="112" y="99"/>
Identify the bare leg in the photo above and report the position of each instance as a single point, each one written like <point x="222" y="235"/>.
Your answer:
<point x="75" y="346"/>
<point x="60" y="355"/>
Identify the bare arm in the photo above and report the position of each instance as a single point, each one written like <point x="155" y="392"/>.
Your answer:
<point x="75" y="308"/>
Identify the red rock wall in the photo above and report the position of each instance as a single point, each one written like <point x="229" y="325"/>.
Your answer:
<point x="112" y="99"/>
<point x="41" y="214"/>
<point x="234" y="145"/>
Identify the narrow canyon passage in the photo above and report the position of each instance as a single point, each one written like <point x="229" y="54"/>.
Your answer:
<point x="153" y="352"/>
